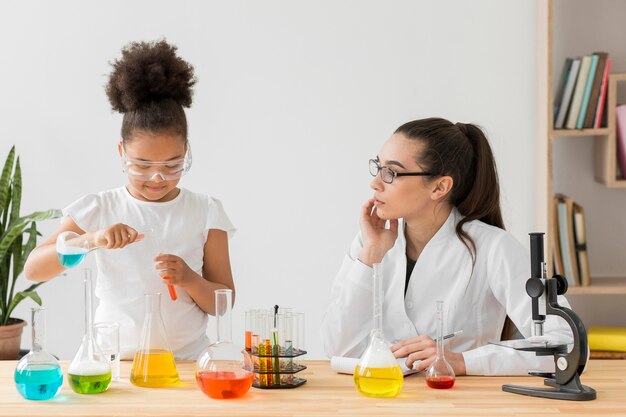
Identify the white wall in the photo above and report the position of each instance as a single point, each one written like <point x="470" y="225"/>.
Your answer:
<point x="293" y="98"/>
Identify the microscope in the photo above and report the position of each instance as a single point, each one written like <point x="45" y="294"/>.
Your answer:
<point x="569" y="364"/>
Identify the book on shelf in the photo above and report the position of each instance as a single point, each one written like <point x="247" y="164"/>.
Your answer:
<point x="580" y="239"/>
<point x="579" y="91"/>
<point x="600" y="119"/>
<point x="572" y="76"/>
<point x="580" y="121"/>
<point x="620" y="121"/>
<point x="566" y="239"/>
<point x="556" y="245"/>
<point x="558" y="97"/>
<point x="607" y="338"/>
<point x="595" y="90"/>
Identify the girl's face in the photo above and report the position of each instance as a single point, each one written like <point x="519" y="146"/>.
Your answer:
<point x="154" y="147"/>
<point x="409" y="197"/>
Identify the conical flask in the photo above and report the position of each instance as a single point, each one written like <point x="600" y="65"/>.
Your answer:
<point x="154" y="364"/>
<point x="440" y="374"/>
<point x="90" y="371"/>
<point x="38" y="375"/>
<point x="377" y="373"/>
<point x="224" y="370"/>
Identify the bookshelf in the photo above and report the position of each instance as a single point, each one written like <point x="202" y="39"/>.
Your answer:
<point x="583" y="163"/>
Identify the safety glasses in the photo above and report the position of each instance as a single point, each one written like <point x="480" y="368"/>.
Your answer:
<point x="149" y="170"/>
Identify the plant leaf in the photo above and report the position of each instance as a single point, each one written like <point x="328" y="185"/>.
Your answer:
<point x="19" y="297"/>
<point x="5" y="178"/>
<point x="16" y="229"/>
<point x="16" y="193"/>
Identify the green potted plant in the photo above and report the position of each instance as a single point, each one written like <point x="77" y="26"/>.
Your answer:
<point x="18" y="237"/>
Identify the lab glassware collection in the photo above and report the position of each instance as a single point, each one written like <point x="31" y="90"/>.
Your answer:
<point x="275" y="338"/>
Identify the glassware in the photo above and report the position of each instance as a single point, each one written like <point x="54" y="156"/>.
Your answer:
<point x="108" y="338"/>
<point x="377" y="373"/>
<point x="153" y="365"/>
<point x="72" y="248"/>
<point x="38" y="375"/>
<point x="440" y="374"/>
<point x="157" y="242"/>
<point x="224" y="370"/>
<point x="89" y="371"/>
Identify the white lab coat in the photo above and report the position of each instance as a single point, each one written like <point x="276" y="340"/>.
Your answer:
<point x="476" y="302"/>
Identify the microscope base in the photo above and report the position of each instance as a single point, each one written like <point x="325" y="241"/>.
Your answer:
<point x="573" y="390"/>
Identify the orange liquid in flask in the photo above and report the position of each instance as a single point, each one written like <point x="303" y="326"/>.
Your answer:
<point x="154" y="368"/>
<point x="224" y="385"/>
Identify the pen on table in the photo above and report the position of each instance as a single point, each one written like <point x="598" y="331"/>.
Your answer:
<point x="448" y="336"/>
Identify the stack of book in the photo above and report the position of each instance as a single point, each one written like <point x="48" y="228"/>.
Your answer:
<point x="580" y="100"/>
<point x="569" y="242"/>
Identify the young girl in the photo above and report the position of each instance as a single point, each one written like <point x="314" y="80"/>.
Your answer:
<point x="150" y="85"/>
<point x="436" y="185"/>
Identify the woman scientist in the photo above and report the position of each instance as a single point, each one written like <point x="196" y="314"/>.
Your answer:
<point x="436" y="187"/>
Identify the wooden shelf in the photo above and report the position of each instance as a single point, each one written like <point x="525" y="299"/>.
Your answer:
<point x="563" y="133"/>
<point x="606" y="286"/>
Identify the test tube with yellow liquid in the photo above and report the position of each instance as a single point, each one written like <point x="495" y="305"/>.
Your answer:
<point x="153" y="365"/>
<point x="378" y="374"/>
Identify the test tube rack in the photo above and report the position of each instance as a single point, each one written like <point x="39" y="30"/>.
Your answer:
<point x="278" y="370"/>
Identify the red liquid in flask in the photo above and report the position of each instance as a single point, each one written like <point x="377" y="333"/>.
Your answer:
<point x="440" y="382"/>
<point x="224" y="385"/>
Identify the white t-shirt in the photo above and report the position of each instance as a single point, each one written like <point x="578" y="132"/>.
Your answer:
<point x="179" y="227"/>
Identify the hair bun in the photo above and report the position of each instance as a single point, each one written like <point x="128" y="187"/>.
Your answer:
<point x="149" y="72"/>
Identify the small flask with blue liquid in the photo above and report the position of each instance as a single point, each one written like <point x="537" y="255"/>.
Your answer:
<point x="38" y="375"/>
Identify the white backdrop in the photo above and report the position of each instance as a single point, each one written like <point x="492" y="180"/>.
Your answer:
<point x="293" y="98"/>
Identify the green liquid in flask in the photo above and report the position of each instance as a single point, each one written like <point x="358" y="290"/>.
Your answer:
<point x="89" y="384"/>
<point x="379" y="382"/>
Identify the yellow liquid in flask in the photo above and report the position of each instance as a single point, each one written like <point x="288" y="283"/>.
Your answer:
<point x="154" y="368"/>
<point x="379" y="382"/>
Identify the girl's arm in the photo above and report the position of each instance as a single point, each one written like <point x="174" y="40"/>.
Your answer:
<point x="42" y="263"/>
<point x="216" y="273"/>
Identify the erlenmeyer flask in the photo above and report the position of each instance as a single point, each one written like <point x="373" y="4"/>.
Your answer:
<point x="153" y="365"/>
<point x="377" y="373"/>
<point x="224" y="370"/>
<point x="440" y="374"/>
<point x="90" y="371"/>
<point x="38" y="375"/>
<point x="71" y="248"/>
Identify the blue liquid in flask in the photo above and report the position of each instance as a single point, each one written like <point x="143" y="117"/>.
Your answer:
<point x="39" y="382"/>
<point x="69" y="260"/>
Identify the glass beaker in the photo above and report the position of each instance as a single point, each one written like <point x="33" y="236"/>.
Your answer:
<point x="440" y="374"/>
<point x="153" y="365"/>
<point x="38" y="375"/>
<point x="377" y="373"/>
<point x="224" y="370"/>
<point x="108" y="338"/>
<point x="71" y="248"/>
<point x="89" y="371"/>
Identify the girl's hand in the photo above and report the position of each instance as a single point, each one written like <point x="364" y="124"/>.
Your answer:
<point x="424" y="349"/>
<point x="174" y="270"/>
<point x="377" y="240"/>
<point x="116" y="236"/>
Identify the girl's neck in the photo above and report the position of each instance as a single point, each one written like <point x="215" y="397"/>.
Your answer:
<point x="420" y="230"/>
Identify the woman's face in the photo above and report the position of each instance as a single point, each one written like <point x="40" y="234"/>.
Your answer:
<point x="407" y="196"/>
<point x="154" y="147"/>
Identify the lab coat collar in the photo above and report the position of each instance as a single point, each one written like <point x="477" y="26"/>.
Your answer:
<point x="447" y="230"/>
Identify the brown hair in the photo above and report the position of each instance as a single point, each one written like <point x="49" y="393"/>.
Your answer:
<point x="462" y="152"/>
<point x="150" y="85"/>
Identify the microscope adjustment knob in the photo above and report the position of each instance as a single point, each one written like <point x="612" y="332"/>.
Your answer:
<point x="561" y="284"/>
<point x="534" y="287"/>
<point x="561" y="363"/>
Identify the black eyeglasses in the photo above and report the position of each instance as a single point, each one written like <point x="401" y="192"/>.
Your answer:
<point x="388" y="175"/>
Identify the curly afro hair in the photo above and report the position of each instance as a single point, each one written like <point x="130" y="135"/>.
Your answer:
<point x="150" y="85"/>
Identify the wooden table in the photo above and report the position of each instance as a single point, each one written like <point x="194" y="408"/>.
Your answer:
<point x="325" y="393"/>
